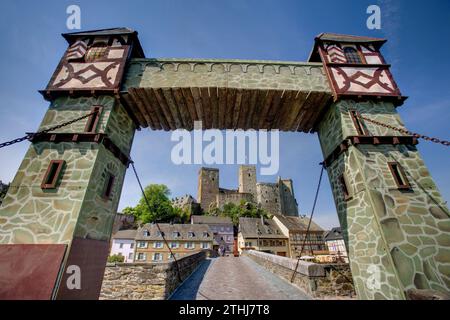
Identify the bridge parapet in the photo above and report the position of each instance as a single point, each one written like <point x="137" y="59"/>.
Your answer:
<point x="230" y="73"/>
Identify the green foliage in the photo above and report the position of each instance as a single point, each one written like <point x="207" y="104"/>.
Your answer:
<point x="244" y="209"/>
<point x="159" y="208"/>
<point x="116" y="258"/>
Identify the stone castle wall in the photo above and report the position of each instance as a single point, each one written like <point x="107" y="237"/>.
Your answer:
<point x="146" y="281"/>
<point x="233" y="197"/>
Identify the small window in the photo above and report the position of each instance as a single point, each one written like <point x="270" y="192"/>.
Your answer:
<point x="130" y="256"/>
<point x="108" y="186"/>
<point x="141" y="256"/>
<point x="146" y="233"/>
<point x="93" y="120"/>
<point x="174" y="245"/>
<point x="53" y="174"/>
<point x="142" y="244"/>
<point x="358" y="123"/>
<point x="98" y="51"/>
<point x="352" y="55"/>
<point x="121" y="246"/>
<point x="175" y="234"/>
<point x="191" y="234"/>
<point x="189" y="245"/>
<point x="399" y="175"/>
<point x="157" y="245"/>
<point x="205" y="235"/>
<point x="131" y="245"/>
<point x="344" y="187"/>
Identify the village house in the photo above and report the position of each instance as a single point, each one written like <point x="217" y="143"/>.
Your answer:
<point x="262" y="235"/>
<point x="221" y="227"/>
<point x="123" y="244"/>
<point x="334" y="240"/>
<point x="295" y="229"/>
<point x="182" y="239"/>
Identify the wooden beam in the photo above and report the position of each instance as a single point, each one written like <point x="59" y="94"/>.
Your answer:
<point x="148" y="106"/>
<point x="183" y="109"/>
<point x="265" y="109"/>
<point x="222" y="107"/>
<point x="187" y="94"/>
<point x="141" y="107"/>
<point x="237" y="108"/>
<point x="231" y="94"/>
<point x="158" y="110"/>
<point x="214" y="99"/>
<point x="251" y="109"/>
<point x="165" y="108"/>
<point x="207" y="113"/>
<point x="198" y="104"/>
<point x="167" y="92"/>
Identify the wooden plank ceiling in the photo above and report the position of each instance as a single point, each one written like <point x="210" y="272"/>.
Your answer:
<point x="226" y="108"/>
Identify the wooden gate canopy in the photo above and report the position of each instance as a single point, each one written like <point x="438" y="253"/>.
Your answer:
<point x="169" y="94"/>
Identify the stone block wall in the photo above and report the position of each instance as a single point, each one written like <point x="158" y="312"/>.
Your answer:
<point x="146" y="281"/>
<point x="321" y="281"/>
<point x="268" y="197"/>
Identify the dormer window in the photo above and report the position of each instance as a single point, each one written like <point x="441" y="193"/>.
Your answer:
<point x="175" y="234"/>
<point x="191" y="234"/>
<point x="146" y="233"/>
<point x="205" y="234"/>
<point x="352" y="55"/>
<point x="159" y="233"/>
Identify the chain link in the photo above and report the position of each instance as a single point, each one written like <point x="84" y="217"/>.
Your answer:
<point x="404" y="131"/>
<point x="30" y="136"/>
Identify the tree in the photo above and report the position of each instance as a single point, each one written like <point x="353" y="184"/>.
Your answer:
<point x="116" y="258"/>
<point x="159" y="208"/>
<point x="244" y="209"/>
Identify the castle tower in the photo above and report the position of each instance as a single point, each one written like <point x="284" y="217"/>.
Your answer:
<point x="288" y="203"/>
<point x="247" y="180"/>
<point x="268" y="197"/>
<point x="58" y="213"/>
<point x="208" y="187"/>
<point x="396" y="224"/>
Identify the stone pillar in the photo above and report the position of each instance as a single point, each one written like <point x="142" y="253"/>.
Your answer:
<point x="396" y="224"/>
<point x="57" y="216"/>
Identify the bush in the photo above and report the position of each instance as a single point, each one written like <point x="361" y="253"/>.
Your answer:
<point x="116" y="258"/>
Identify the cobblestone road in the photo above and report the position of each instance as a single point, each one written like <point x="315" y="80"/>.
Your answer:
<point x="230" y="278"/>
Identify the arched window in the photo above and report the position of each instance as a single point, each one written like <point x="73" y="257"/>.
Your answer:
<point x="352" y="55"/>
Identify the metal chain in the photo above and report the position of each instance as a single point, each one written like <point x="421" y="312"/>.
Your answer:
<point x="309" y="222"/>
<point x="30" y="136"/>
<point x="415" y="135"/>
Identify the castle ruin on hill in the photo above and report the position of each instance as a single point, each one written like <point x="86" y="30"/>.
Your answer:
<point x="275" y="198"/>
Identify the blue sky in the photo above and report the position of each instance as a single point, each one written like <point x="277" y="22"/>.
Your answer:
<point x="418" y="49"/>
